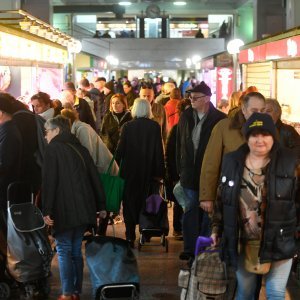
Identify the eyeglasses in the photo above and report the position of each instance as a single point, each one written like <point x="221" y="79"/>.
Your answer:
<point x="196" y="98"/>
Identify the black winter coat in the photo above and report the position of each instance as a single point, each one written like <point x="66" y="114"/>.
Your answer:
<point x="71" y="191"/>
<point x="280" y="218"/>
<point x="188" y="165"/>
<point x="170" y="157"/>
<point x="10" y="158"/>
<point x="85" y="113"/>
<point x="288" y="137"/>
<point x="141" y="151"/>
<point x="171" y="170"/>
<point x="111" y="127"/>
<point x="30" y="171"/>
<point x="131" y="96"/>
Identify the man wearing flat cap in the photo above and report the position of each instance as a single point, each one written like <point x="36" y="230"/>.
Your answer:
<point x="10" y="147"/>
<point x="194" y="129"/>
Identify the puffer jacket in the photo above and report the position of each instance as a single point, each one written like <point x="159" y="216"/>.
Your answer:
<point x="280" y="218"/>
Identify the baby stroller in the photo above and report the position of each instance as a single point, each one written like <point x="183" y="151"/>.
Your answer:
<point x="29" y="253"/>
<point x="113" y="268"/>
<point x="154" y="222"/>
<point x="208" y="278"/>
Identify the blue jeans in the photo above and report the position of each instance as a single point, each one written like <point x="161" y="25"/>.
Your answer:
<point x="70" y="261"/>
<point x="276" y="280"/>
<point x="195" y="221"/>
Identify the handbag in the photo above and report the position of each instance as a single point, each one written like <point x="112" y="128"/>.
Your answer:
<point x="252" y="263"/>
<point x="113" y="188"/>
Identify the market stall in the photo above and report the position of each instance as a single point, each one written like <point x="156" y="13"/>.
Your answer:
<point x="273" y="66"/>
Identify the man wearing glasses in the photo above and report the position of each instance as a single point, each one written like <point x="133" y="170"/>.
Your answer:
<point x="194" y="129"/>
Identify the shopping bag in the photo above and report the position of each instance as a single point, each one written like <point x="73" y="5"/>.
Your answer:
<point x="113" y="188"/>
<point x="111" y="261"/>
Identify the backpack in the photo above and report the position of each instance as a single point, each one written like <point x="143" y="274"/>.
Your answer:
<point x="42" y="143"/>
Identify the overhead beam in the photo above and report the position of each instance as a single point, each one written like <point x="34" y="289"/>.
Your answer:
<point x="90" y="9"/>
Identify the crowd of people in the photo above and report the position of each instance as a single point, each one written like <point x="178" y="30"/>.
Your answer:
<point x="232" y="177"/>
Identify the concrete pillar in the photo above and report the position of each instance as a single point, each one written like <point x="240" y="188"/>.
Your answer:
<point x="269" y="17"/>
<point x="292" y="13"/>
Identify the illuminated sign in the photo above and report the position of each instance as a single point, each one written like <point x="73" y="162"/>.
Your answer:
<point x="12" y="46"/>
<point x="285" y="48"/>
<point x="224" y="83"/>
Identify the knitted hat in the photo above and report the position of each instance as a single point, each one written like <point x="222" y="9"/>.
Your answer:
<point x="201" y="88"/>
<point x="261" y="123"/>
<point x="110" y="85"/>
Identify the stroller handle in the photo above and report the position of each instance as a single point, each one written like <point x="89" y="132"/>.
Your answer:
<point x="201" y="243"/>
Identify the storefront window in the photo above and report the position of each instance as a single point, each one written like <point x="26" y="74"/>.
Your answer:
<point x="188" y="28"/>
<point x="288" y="82"/>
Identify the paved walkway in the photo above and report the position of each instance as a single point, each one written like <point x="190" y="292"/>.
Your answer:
<point x="158" y="271"/>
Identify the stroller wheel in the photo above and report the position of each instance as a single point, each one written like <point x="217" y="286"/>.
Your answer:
<point x="4" y="291"/>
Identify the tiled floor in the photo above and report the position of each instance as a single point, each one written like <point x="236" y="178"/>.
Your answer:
<point x="158" y="271"/>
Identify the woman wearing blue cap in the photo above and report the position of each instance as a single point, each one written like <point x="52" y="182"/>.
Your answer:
<point x="256" y="210"/>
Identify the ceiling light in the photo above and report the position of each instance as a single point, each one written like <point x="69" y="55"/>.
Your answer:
<point x="34" y="28"/>
<point x="55" y="36"/>
<point x="42" y="31"/>
<point x="188" y="62"/>
<point x="196" y="59"/>
<point x="25" y="24"/>
<point x="125" y="3"/>
<point x="49" y="34"/>
<point x="74" y="46"/>
<point x="233" y="47"/>
<point x="179" y="3"/>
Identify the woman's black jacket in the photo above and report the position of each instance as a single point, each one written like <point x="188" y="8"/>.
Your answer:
<point x="280" y="220"/>
<point x="111" y="128"/>
<point x="71" y="189"/>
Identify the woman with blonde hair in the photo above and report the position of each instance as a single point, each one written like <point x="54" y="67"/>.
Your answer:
<point x="113" y="121"/>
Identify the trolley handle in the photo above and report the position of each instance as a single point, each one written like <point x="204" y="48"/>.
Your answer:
<point x="203" y="242"/>
<point x="12" y="186"/>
